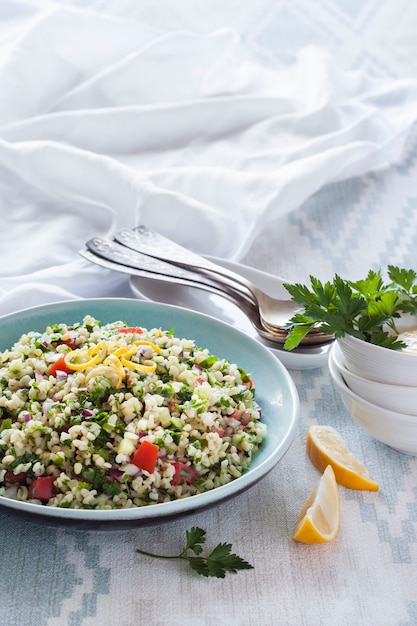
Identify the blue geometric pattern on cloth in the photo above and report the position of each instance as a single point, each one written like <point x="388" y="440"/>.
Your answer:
<point x="36" y="579"/>
<point x="53" y="575"/>
<point x="412" y="612"/>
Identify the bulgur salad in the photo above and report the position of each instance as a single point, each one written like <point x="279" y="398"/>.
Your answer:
<point x="109" y="416"/>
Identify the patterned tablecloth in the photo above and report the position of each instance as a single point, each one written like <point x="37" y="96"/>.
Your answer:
<point x="368" y="575"/>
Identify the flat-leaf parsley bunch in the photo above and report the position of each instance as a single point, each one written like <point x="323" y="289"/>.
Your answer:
<point x="366" y="309"/>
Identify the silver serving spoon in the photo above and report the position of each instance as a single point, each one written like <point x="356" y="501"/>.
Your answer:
<point x="272" y="340"/>
<point x="274" y="313"/>
<point x="245" y="306"/>
<point x="114" y="256"/>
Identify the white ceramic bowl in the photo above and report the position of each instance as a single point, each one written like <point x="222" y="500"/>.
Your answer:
<point x="275" y="392"/>
<point x="379" y="364"/>
<point x="397" y="430"/>
<point x="398" y="398"/>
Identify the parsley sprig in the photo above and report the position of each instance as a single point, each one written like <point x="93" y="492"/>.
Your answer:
<point x="220" y="561"/>
<point x="366" y="309"/>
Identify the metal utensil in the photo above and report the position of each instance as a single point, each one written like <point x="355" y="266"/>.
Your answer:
<point x="114" y="256"/>
<point x="245" y="305"/>
<point x="122" y="256"/>
<point x="274" y="313"/>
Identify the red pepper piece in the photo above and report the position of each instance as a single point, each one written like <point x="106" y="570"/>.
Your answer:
<point x="59" y="366"/>
<point x="146" y="456"/>
<point x="131" y="329"/>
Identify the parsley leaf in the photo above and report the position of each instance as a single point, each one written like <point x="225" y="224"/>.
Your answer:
<point x="403" y="278"/>
<point x="219" y="562"/>
<point x="366" y="308"/>
<point x="196" y="537"/>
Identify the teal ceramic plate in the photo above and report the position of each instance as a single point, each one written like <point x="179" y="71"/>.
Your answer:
<point x="275" y="393"/>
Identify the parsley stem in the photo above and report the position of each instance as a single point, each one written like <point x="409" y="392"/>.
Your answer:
<point x="160" y="556"/>
<point x="219" y="562"/>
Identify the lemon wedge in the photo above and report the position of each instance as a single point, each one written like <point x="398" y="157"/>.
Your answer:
<point x="319" y="520"/>
<point x="326" y="447"/>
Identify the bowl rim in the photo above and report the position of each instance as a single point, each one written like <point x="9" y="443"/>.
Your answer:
<point x="343" y="386"/>
<point x="337" y="354"/>
<point x="156" y="513"/>
<point x="374" y="348"/>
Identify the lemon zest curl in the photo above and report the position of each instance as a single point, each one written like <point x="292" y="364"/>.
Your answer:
<point x="109" y="358"/>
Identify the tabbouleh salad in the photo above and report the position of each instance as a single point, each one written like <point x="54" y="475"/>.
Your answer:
<point x="108" y="417"/>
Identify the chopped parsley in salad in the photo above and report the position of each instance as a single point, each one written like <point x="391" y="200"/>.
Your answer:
<point x="113" y="416"/>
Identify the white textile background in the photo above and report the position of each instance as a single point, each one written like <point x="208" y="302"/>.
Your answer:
<point x="107" y="122"/>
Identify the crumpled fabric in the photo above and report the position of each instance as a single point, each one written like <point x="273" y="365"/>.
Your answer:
<point x="106" y="123"/>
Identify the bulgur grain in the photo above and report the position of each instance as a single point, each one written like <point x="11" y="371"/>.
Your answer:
<point x="76" y="403"/>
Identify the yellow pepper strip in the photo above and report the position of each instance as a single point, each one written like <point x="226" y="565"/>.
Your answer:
<point x="139" y="367"/>
<point x="92" y="356"/>
<point x="107" y="371"/>
<point x="112" y="346"/>
<point x="155" y="348"/>
<point x="148" y="365"/>
<point x="113" y="361"/>
<point x="112" y="357"/>
<point x="124" y="351"/>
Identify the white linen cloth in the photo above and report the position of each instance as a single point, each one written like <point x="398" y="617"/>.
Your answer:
<point x="106" y="123"/>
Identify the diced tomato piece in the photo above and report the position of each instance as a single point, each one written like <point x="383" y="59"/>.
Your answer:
<point x="71" y="343"/>
<point x="184" y="474"/>
<point x="219" y="431"/>
<point x="131" y="329"/>
<point x="15" y="479"/>
<point x="42" y="488"/>
<point x="241" y="416"/>
<point x="146" y="456"/>
<point x="59" y="366"/>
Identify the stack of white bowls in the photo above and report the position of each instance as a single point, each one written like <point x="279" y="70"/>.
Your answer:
<point x="379" y="388"/>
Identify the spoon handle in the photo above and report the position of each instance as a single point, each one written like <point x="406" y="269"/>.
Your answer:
<point x="115" y="256"/>
<point x="152" y="243"/>
<point x="110" y="260"/>
<point x="124" y="257"/>
<point x="117" y="253"/>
